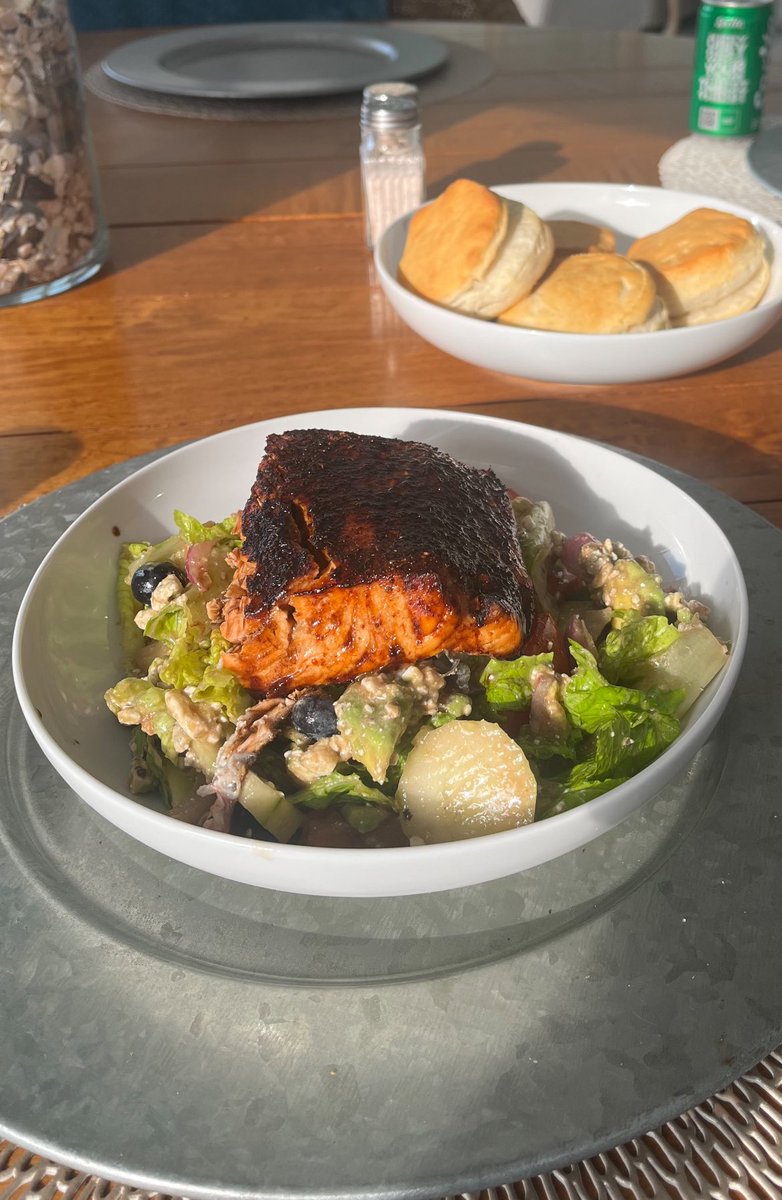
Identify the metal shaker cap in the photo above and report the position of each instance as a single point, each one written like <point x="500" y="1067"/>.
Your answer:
<point x="390" y="106"/>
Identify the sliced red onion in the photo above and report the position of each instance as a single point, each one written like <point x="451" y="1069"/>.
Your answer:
<point x="547" y="716"/>
<point x="196" y="565"/>
<point x="570" y="551"/>
<point x="544" y="637"/>
<point x="577" y="631"/>
<point x="219" y="815"/>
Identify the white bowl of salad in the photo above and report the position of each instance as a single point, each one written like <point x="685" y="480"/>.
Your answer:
<point x="460" y="767"/>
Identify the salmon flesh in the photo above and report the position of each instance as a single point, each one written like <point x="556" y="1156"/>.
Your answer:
<point x="362" y="553"/>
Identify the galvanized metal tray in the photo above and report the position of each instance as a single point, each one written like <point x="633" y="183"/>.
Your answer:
<point x="175" y="1033"/>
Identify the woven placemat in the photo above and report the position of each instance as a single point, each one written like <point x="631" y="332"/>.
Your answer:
<point x="465" y="69"/>
<point x="718" y="167"/>
<point x="728" y="1148"/>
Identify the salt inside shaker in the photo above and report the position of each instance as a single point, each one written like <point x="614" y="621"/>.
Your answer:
<point x="392" y="158"/>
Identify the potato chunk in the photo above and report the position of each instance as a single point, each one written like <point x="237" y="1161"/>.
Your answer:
<point x="464" y="780"/>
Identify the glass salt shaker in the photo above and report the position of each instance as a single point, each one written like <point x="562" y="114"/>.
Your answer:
<point x="392" y="157"/>
<point x="52" y="234"/>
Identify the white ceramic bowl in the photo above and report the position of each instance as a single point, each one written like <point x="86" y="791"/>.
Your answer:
<point x="582" y="357"/>
<point x="66" y="649"/>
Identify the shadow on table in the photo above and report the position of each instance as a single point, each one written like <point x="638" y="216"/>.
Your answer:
<point x="528" y="162"/>
<point x="29" y="457"/>
<point x="724" y="462"/>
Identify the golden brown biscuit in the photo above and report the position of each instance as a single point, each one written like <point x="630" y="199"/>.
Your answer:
<point x="701" y="260"/>
<point x="453" y="240"/>
<point x="592" y="293"/>
<point x="474" y="251"/>
<point x="740" y="301"/>
<point x="579" y="237"/>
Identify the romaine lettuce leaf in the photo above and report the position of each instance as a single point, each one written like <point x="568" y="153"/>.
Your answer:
<point x="169" y="624"/>
<point x="629" y="728"/>
<point x="171" y="549"/>
<point x="591" y="700"/>
<point x="633" y="644"/>
<point x="563" y="744"/>
<point x="221" y="687"/>
<point x="507" y="682"/>
<point x="194" y="531"/>
<point x="452" y="708"/>
<point x="141" y="699"/>
<point x="687" y="665"/>
<point x="324" y="791"/>
<point x="184" y="665"/>
<point x="577" y="792"/>
<point x="132" y="639"/>
<point x="193" y="658"/>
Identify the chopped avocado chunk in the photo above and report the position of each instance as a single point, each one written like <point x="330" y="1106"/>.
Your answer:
<point x="453" y="707"/>
<point x="625" y="585"/>
<point x="372" y="715"/>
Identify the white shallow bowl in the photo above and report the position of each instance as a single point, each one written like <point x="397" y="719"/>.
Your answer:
<point x="589" y="358"/>
<point x="66" y="646"/>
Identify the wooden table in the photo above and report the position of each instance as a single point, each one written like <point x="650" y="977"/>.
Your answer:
<point x="239" y="287"/>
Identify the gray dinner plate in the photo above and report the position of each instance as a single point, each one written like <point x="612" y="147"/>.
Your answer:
<point x="765" y="159"/>
<point x="274" y="59"/>
<point x="180" y="1033"/>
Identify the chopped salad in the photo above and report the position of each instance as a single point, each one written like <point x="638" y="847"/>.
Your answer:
<point x="448" y="748"/>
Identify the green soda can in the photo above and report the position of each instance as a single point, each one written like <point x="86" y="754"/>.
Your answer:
<point x="731" y="53"/>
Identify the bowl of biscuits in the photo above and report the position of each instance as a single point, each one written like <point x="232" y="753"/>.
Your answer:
<point x="584" y="283"/>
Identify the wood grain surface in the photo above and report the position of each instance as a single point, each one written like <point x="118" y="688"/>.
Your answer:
<point x="239" y="286"/>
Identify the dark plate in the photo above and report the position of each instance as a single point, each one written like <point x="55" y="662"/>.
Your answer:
<point x="274" y="59"/>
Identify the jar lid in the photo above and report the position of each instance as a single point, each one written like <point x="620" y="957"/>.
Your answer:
<point x="390" y="106"/>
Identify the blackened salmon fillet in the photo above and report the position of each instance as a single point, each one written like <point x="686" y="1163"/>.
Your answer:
<point x="364" y="552"/>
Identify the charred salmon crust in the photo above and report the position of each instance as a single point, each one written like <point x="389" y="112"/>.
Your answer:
<point x="365" y="552"/>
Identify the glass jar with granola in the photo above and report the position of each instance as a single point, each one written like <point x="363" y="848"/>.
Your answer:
<point x="52" y="234"/>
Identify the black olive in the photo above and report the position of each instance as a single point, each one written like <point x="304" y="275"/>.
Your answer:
<point x="314" y="716"/>
<point x="244" y="824"/>
<point x="146" y="579"/>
